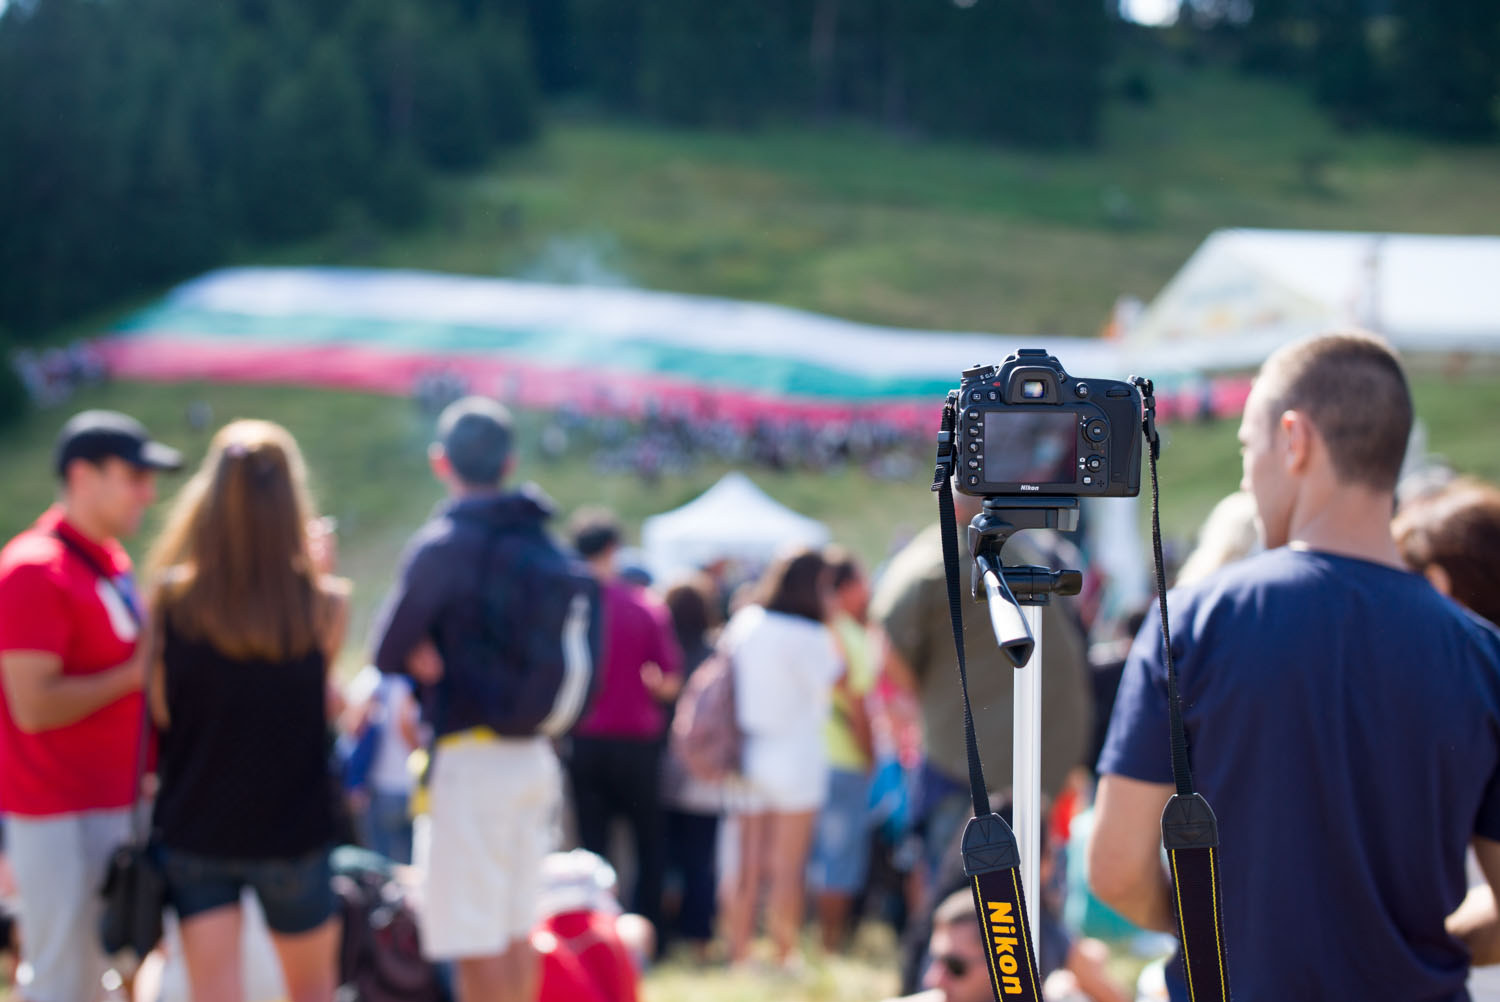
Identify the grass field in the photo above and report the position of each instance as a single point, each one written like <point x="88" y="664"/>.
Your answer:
<point x="367" y="456"/>
<point x="858" y="224"/>
<point x="879" y="228"/>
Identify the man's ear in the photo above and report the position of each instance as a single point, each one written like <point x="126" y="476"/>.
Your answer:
<point x="1299" y="440"/>
<point x="437" y="459"/>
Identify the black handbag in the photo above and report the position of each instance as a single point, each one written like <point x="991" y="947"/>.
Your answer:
<point x="134" y="891"/>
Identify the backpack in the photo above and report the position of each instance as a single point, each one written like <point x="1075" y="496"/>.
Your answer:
<point x="380" y="959"/>
<point x="706" y="734"/>
<point x="540" y="640"/>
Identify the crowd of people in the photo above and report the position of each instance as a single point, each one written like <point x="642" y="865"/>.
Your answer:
<point x="528" y="691"/>
<point x="51" y="376"/>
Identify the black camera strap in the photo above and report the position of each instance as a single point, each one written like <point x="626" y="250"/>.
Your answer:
<point x="992" y="860"/>
<point x="1189" y="830"/>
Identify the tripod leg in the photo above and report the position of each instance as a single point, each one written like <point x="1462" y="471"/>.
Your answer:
<point x="1026" y="779"/>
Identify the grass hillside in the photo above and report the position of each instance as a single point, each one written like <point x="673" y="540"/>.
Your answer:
<point x="860" y="224"/>
<point x="878" y="228"/>
<point x="367" y="456"/>
<point x="853" y="223"/>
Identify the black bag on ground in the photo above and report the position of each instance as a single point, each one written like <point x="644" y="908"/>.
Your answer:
<point x="381" y="956"/>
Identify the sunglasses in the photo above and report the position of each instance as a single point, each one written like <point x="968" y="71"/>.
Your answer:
<point x="956" y="966"/>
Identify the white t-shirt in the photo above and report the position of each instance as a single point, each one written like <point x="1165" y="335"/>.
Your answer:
<point x="784" y="670"/>
<point x="391" y="695"/>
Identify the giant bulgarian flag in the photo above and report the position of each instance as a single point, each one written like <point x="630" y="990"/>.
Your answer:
<point x="546" y="346"/>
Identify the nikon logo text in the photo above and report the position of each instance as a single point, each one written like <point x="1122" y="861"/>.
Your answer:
<point x="1030" y="487"/>
<point x="1003" y="941"/>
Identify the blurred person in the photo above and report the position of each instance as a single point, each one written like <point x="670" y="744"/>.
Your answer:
<point x="692" y="806"/>
<point x="785" y="666"/>
<point x="1331" y="697"/>
<point x="493" y="801"/>
<point x="1072" y="967"/>
<point x="384" y="708"/>
<point x="614" y="762"/>
<point x="958" y="959"/>
<point x="592" y="951"/>
<point x="841" y="841"/>
<point x="72" y="666"/>
<point x="1451" y="536"/>
<point x="911" y="608"/>
<point x="247" y="631"/>
<point x="1228" y="534"/>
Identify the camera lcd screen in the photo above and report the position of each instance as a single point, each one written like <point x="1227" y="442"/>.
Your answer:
<point x="1030" y="447"/>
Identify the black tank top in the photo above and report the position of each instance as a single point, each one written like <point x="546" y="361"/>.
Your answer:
<point x="244" y="764"/>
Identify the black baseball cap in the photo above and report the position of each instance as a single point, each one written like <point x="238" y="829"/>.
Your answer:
<point x="476" y="436"/>
<point x="97" y="435"/>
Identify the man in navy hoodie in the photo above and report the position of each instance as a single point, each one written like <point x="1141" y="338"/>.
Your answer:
<point x="494" y="801"/>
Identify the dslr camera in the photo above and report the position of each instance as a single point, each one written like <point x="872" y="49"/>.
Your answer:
<point x="1026" y="428"/>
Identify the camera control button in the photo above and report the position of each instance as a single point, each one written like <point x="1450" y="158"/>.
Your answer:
<point x="1082" y="389"/>
<point x="1096" y="430"/>
<point x="972" y="464"/>
<point x="1094" y="463"/>
<point x="974" y="430"/>
<point x="973" y="481"/>
<point x="973" y="446"/>
<point x="1117" y="391"/>
<point x="1088" y="481"/>
<point x="973" y="414"/>
<point x="993" y="395"/>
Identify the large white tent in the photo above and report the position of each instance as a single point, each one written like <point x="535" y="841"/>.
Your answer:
<point x="1245" y="292"/>
<point x="732" y="520"/>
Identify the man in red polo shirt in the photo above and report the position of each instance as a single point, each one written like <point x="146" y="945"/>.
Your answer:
<point x="71" y="673"/>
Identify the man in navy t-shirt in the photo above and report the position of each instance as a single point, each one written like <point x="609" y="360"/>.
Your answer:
<point x="1342" y="717"/>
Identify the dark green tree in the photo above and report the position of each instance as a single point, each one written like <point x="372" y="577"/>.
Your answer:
<point x="1446" y="67"/>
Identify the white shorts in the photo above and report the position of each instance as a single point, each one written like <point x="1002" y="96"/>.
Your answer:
<point x="494" y="807"/>
<point x="787" y="774"/>
<point x="59" y="863"/>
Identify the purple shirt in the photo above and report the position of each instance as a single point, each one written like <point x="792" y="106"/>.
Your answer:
<point x="637" y="631"/>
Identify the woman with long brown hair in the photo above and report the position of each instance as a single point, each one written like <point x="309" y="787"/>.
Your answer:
<point x="246" y="626"/>
<point x="785" y="665"/>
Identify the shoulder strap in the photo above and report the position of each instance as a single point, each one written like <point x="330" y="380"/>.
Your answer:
<point x="1189" y="830"/>
<point x="144" y="636"/>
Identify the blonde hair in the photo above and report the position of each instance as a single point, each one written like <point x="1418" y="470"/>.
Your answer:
<point x="232" y="567"/>
<point x="1229" y="533"/>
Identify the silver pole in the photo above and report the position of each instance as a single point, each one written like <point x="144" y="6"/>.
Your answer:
<point x="1026" y="792"/>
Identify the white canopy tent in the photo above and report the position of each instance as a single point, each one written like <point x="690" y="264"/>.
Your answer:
<point x="732" y="520"/>
<point x="1245" y="292"/>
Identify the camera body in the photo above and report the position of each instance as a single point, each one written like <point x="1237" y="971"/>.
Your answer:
<point x="1026" y="429"/>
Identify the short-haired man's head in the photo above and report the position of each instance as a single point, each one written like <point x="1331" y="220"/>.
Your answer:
<point x="595" y="532"/>
<point x="956" y="909"/>
<point x="1352" y="389"/>
<point x="476" y="435"/>
<point x="1456" y="532"/>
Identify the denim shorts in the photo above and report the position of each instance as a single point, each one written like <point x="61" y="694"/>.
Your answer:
<point x="296" y="894"/>
<point x="841" y="840"/>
